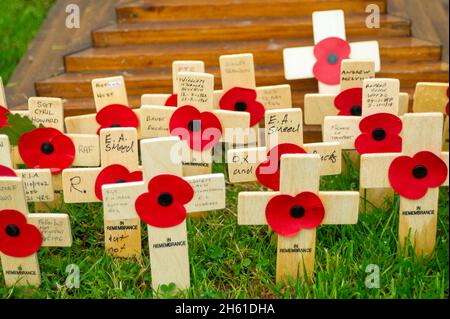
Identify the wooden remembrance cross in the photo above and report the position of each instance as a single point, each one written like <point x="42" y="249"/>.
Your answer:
<point x="298" y="200"/>
<point x="20" y="264"/>
<point x="171" y="99"/>
<point x="237" y="72"/>
<point x="40" y="184"/>
<point x="379" y="96"/>
<point x="349" y="100"/>
<point x="433" y="97"/>
<point x="415" y="175"/>
<point x="168" y="244"/>
<point x="323" y="60"/>
<point x="282" y="126"/>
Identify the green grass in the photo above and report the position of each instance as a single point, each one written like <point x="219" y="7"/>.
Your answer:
<point x="231" y="261"/>
<point x="19" y="22"/>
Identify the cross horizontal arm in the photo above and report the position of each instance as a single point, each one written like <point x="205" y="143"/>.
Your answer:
<point x="55" y="229"/>
<point x="252" y="207"/>
<point x="340" y="207"/>
<point x="209" y="192"/>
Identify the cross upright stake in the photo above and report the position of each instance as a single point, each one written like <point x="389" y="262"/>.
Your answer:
<point x="433" y="97"/>
<point x="23" y="234"/>
<point x="296" y="211"/>
<point x="171" y="99"/>
<point x="167" y="230"/>
<point x="323" y="60"/>
<point x="416" y="174"/>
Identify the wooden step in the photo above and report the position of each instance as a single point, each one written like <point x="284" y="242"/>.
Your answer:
<point x="265" y="52"/>
<point x="243" y="29"/>
<point x="154" y="10"/>
<point x="71" y="85"/>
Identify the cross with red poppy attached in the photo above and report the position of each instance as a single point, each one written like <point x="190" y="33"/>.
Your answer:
<point x="349" y="100"/>
<point x="172" y="99"/>
<point x="119" y="161"/>
<point x="415" y="174"/>
<point x="433" y="97"/>
<point x="283" y="135"/>
<point x="22" y="234"/>
<point x="164" y="205"/>
<point x="38" y="142"/>
<point x="195" y="121"/>
<point x="113" y="110"/>
<point x="376" y="131"/>
<point x="240" y="94"/>
<point x="323" y="61"/>
<point x="296" y="211"/>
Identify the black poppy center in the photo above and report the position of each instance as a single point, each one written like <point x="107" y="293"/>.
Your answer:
<point x="194" y="126"/>
<point x="356" y="110"/>
<point x="420" y="171"/>
<point x="297" y="211"/>
<point x="115" y="125"/>
<point x="240" y="106"/>
<point x="47" y="148"/>
<point x="332" y="58"/>
<point x="12" y="230"/>
<point x="165" y="199"/>
<point x="120" y="181"/>
<point x="378" y="134"/>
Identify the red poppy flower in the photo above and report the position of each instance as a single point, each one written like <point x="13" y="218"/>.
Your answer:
<point x="268" y="172"/>
<point x="114" y="174"/>
<point x="116" y="115"/>
<point x="202" y="130"/>
<point x="379" y="134"/>
<point x="17" y="237"/>
<point x="349" y="102"/>
<point x="163" y="205"/>
<point x="7" y="172"/>
<point x="172" y="100"/>
<point x="243" y="100"/>
<point x="329" y="53"/>
<point x="288" y="215"/>
<point x="411" y="177"/>
<point x="3" y="119"/>
<point x="46" y="148"/>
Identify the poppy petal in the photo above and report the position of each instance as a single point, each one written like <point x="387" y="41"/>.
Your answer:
<point x="172" y="190"/>
<point x="30" y="145"/>
<point x="181" y="190"/>
<point x="329" y="54"/>
<point x="115" y="174"/>
<point x="388" y="122"/>
<point x="366" y="144"/>
<point x="26" y="242"/>
<point x="349" y="102"/>
<point x="314" y="209"/>
<point x="7" y="172"/>
<point x="403" y="170"/>
<point x="151" y="213"/>
<point x="3" y="118"/>
<point x="116" y="115"/>
<point x="268" y="172"/>
<point x="287" y="215"/>
<point x="246" y="98"/>
<point x="172" y="100"/>
<point x="61" y="157"/>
